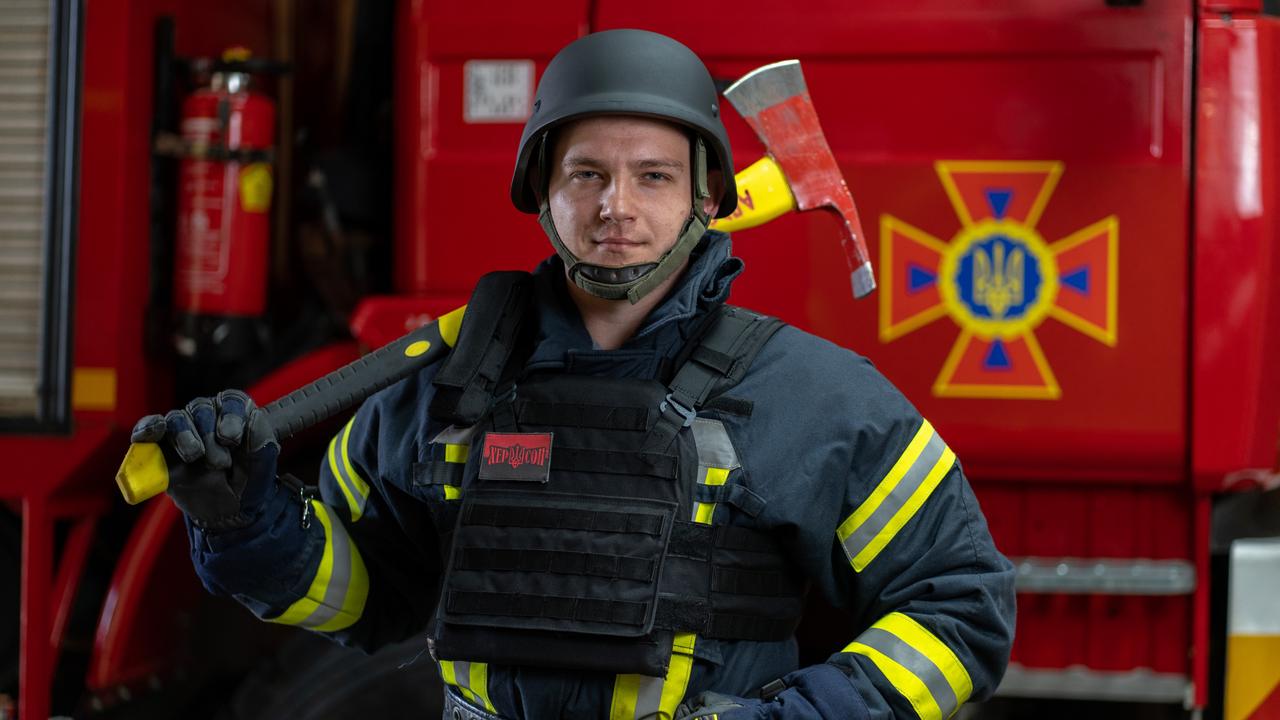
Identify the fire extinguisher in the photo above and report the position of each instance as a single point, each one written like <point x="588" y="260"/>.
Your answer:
<point x="225" y="184"/>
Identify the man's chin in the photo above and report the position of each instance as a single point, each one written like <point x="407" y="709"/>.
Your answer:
<point x="616" y="260"/>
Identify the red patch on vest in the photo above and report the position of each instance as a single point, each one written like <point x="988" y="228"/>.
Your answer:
<point x="516" y="456"/>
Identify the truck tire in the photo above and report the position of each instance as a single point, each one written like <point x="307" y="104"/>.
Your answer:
<point x="313" y="678"/>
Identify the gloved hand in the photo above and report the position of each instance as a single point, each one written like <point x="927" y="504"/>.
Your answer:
<point x="221" y="456"/>
<point x="715" y="706"/>
<point x="818" y="692"/>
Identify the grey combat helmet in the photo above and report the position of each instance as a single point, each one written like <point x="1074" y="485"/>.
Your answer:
<point x="626" y="72"/>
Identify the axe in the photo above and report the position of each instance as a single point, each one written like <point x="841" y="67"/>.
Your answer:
<point x="143" y="474"/>
<point x="799" y="172"/>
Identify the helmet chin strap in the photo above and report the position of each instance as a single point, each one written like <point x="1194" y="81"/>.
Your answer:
<point x="632" y="282"/>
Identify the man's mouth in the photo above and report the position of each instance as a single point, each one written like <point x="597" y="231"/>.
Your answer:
<point x="617" y="241"/>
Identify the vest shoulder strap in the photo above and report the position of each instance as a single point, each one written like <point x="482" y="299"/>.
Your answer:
<point x="497" y="323"/>
<point x="718" y="359"/>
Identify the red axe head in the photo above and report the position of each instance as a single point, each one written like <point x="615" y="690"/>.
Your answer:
<point x="774" y="101"/>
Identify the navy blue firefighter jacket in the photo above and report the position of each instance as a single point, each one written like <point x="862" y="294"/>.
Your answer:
<point x="866" y="497"/>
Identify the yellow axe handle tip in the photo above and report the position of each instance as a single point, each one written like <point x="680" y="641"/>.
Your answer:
<point x="763" y="195"/>
<point x="143" y="474"/>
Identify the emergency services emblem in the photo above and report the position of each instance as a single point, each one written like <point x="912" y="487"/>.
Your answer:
<point x="998" y="279"/>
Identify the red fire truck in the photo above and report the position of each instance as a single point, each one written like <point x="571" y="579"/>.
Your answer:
<point x="1072" y="207"/>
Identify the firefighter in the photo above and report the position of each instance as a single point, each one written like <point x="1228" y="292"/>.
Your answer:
<point x="610" y="500"/>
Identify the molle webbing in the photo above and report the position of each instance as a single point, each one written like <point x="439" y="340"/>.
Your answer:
<point x="496" y="326"/>
<point x="547" y="607"/>
<point x="557" y="518"/>
<point x="603" y="565"/>
<point x="604" y="417"/>
<point x="752" y="594"/>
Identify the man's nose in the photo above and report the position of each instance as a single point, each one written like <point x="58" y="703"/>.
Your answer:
<point x="618" y="202"/>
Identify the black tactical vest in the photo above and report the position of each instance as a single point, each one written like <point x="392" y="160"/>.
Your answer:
<point x="579" y="543"/>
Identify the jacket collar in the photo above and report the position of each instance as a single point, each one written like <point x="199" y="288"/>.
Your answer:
<point x="563" y="341"/>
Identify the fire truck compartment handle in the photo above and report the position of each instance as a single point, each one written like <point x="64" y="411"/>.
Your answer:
<point x="143" y="474"/>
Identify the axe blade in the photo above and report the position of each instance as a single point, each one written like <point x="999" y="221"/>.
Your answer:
<point x="775" y="102"/>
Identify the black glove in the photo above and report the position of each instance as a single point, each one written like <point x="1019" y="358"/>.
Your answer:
<point x="710" y="705"/>
<point x="221" y="456"/>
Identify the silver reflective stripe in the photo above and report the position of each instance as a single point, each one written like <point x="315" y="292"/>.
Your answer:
<point x="916" y="663"/>
<point x="649" y="697"/>
<point x="462" y="674"/>
<point x="897" y="498"/>
<point x="335" y="593"/>
<point x="715" y="450"/>
<point x="714" y="447"/>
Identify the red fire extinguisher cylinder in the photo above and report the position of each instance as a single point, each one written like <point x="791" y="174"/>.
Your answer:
<point x="224" y="218"/>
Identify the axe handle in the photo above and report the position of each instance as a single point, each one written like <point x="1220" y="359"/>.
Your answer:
<point x="762" y="196"/>
<point x="144" y="474"/>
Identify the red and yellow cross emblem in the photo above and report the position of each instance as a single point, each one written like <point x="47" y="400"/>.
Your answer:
<point x="998" y="279"/>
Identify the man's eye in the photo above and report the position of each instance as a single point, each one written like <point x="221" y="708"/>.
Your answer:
<point x="586" y="174"/>
<point x="656" y="176"/>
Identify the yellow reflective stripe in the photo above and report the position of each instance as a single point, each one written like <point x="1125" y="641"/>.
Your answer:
<point x="678" y="674"/>
<point x="911" y="687"/>
<point x="917" y="663"/>
<point x="635" y="696"/>
<point x="352" y="506"/>
<point x="928" y="644"/>
<point x="703" y="512"/>
<point x="480" y="684"/>
<point x="358" y="483"/>
<point x="908" y="510"/>
<point x="454" y="453"/>
<point x="626" y="690"/>
<point x="317" y="609"/>
<point x="897" y="497"/>
<point x="471" y="679"/>
<point x="886" y="486"/>
<point x="449" y="674"/>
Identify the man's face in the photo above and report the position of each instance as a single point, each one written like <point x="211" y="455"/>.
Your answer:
<point x="620" y="188"/>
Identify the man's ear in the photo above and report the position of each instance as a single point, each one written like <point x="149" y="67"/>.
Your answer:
<point x="715" y="183"/>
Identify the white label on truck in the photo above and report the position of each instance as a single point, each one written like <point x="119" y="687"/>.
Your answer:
<point x="497" y="90"/>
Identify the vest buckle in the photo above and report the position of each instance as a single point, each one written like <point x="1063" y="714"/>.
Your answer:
<point x="685" y="412"/>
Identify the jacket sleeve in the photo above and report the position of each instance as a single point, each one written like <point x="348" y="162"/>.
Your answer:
<point x="916" y="563"/>
<point x="890" y="531"/>
<point x="358" y="562"/>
